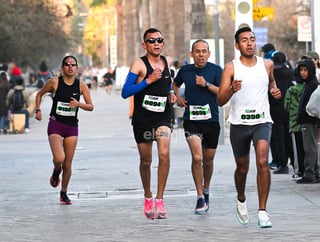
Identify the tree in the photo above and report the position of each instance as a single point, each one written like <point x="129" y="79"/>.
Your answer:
<point x="32" y="31"/>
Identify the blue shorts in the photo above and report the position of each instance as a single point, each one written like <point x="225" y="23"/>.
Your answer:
<point x="242" y="135"/>
<point x="208" y="132"/>
<point x="64" y="130"/>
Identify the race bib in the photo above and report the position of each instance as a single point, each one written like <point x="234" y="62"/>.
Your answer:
<point x="200" y="112"/>
<point x="154" y="103"/>
<point x="251" y="115"/>
<point x="64" y="109"/>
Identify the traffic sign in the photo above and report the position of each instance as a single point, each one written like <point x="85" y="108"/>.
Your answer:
<point x="263" y="13"/>
<point x="304" y="29"/>
<point x="261" y="34"/>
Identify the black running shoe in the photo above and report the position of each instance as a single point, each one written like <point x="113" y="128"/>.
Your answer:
<point x="54" y="179"/>
<point x="64" y="198"/>
<point x="206" y="199"/>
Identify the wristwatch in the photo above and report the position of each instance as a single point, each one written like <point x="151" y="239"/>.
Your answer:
<point x="208" y="84"/>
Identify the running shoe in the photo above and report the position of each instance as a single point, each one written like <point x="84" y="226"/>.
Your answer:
<point x="201" y="206"/>
<point x="272" y="165"/>
<point x="64" y="199"/>
<point x="148" y="208"/>
<point x="242" y="212"/>
<point x="206" y="199"/>
<point x="263" y="219"/>
<point x="160" y="210"/>
<point x="54" y="179"/>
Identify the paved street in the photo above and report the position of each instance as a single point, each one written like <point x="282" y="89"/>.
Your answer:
<point x="107" y="193"/>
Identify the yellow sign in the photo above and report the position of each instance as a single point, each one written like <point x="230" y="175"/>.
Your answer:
<point x="263" y="13"/>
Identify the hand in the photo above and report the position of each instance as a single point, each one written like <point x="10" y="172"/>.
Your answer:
<point x="38" y="116"/>
<point x="74" y="102"/>
<point x="154" y="76"/>
<point x="276" y="93"/>
<point x="181" y="101"/>
<point x="235" y="85"/>
<point x="201" y="81"/>
<point x="172" y="97"/>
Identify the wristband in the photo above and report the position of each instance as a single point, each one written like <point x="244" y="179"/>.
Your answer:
<point x="38" y="110"/>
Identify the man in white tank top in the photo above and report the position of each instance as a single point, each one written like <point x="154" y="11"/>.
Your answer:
<point x="246" y="82"/>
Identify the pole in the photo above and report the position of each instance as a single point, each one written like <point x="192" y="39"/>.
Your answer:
<point x="217" y="60"/>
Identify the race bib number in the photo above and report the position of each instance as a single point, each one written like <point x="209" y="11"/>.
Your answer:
<point x="200" y="112"/>
<point x="251" y="115"/>
<point x="64" y="109"/>
<point x="154" y="103"/>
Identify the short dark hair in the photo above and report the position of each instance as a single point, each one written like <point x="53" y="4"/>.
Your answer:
<point x="69" y="56"/>
<point x="19" y="81"/>
<point x="3" y="76"/>
<point x="150" y="31"/>
<point x="279" y="58"/>
<point x="4" y="67"/>
<point x="197" y="41"/>
<point x="241" y="30"/>
<point x="267" y="47"/>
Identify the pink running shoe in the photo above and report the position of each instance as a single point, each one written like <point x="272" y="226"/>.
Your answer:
<point x="148" y="208"/>
<point x="160" y="210"/>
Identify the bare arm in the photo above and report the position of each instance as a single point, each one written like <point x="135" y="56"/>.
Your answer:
<point x="87" y="105"/>
<point x="226" y="89"/>
<point x="180" y="100"/>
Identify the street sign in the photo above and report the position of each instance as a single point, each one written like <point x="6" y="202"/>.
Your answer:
<point x="263" y="13"/>
<point x="261" y="34"/>
<point x="304" y="29"/>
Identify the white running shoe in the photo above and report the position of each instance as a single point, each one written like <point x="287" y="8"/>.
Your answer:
<point x="263" y="219"/>
<point x="242" y="212"/>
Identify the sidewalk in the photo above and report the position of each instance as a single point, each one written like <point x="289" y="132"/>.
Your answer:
<point x="107" y="193"/>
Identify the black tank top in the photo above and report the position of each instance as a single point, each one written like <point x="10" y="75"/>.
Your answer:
<point x="145" y="118"/>
<point x="61" y="109"/>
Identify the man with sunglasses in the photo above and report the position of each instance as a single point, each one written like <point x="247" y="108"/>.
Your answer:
<point x="149" y="81"/>
<point x="201" y="117"/>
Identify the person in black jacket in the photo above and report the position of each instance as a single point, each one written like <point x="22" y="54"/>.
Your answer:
<point x="280" y="143"/>
<point x="309" y="124"/>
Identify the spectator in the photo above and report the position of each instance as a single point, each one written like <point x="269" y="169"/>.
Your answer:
<point x="291" y="104"/>
<point x="15" y="74"/>
<point x="25" y="102"/>
<point x="268" y="51"/>
<point x="43" y="75"/>
<point x="315" y="57"/>
<point x="4" y="68"/>
<point x="4" y="87"/>
<point x="280" y="143"/>
<point x="309" y="124"/>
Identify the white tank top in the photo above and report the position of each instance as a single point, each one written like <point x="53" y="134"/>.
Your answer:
<point x="250" y="105"/>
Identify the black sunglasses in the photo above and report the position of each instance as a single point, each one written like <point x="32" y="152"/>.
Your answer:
<point x="69" y="64"/>
<point x="153" y="40"/>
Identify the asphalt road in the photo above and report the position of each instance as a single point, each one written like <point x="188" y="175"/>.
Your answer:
<point x="107" y="193"/>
